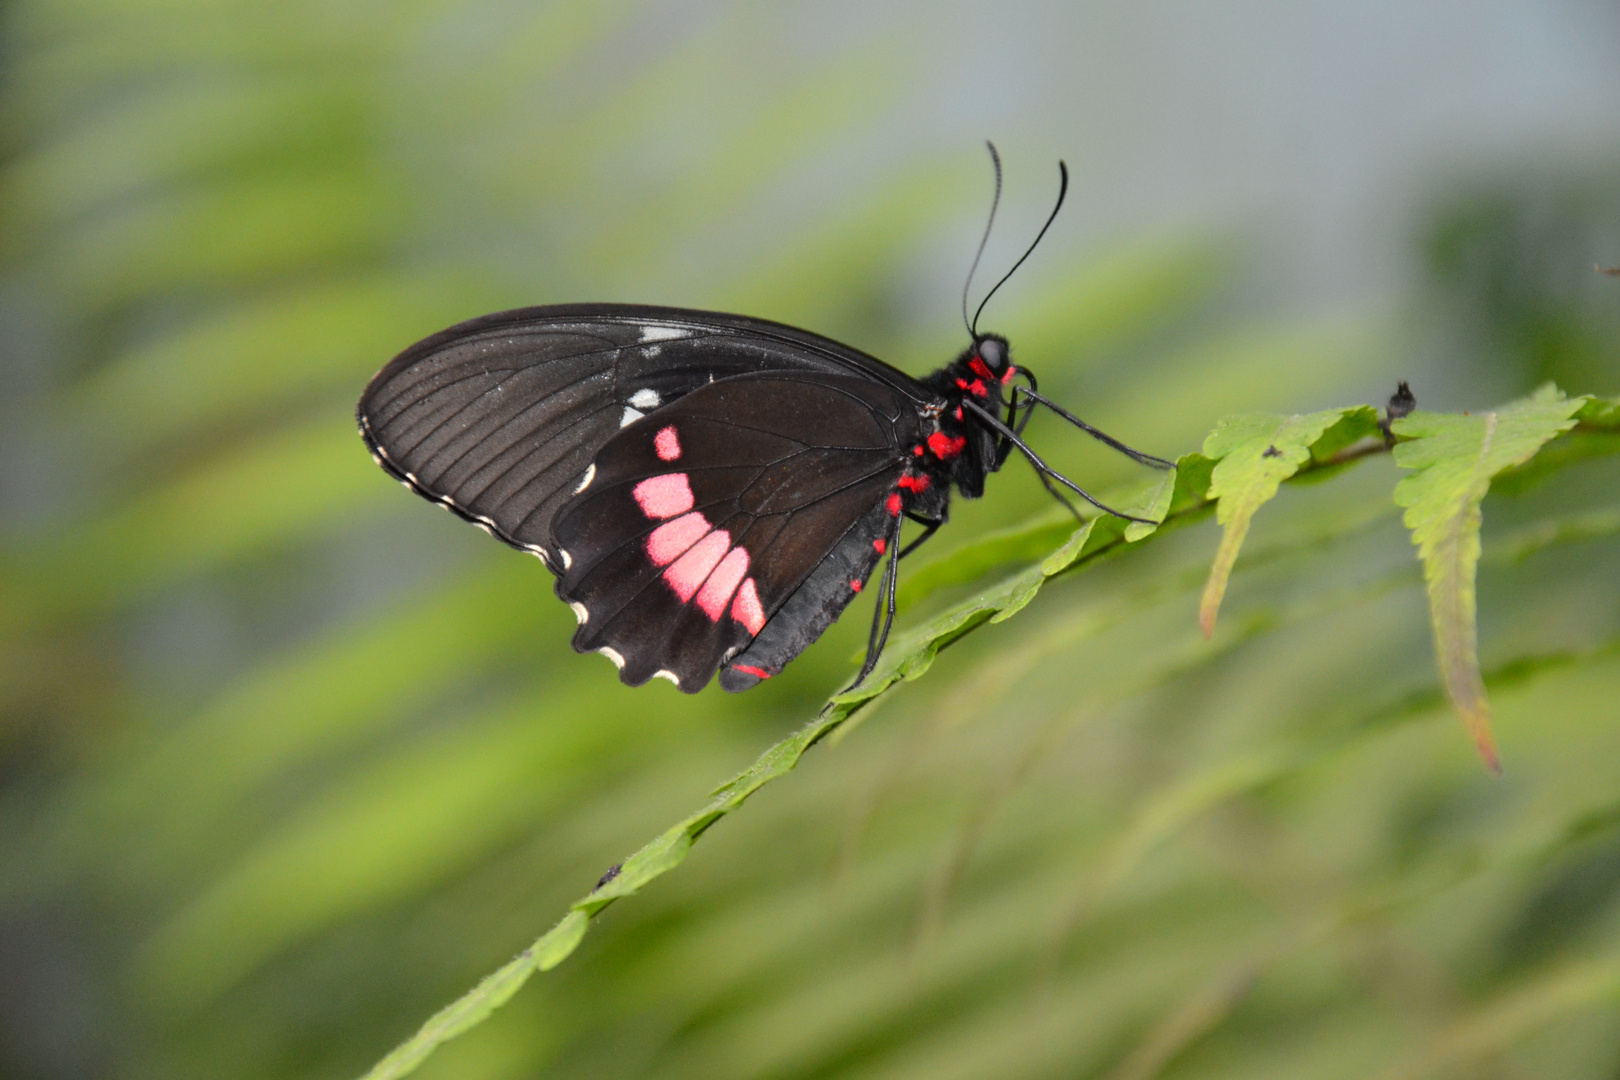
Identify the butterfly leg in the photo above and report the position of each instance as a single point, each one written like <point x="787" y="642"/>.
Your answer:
<point x="1035" y="398"/>
<point x="1028" y="404"/>
<point x="1015" y="422"/>
<point x="1045" y="470"/>
<point x="883" y="611"/>
<point x="931" y="527"/>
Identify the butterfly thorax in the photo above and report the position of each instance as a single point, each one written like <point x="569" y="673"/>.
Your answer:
<point x="960" y="449"/>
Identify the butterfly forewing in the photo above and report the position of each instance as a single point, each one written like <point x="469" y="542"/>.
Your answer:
<point x="501" y="418"/>
<point x="701" y="520"/>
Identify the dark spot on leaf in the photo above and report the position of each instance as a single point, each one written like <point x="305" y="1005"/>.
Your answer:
<point x="1401" y="403"/>
<point x="612" y="872"/>
<point x="1612" y="271"/>
<point x="1272" y="451"/>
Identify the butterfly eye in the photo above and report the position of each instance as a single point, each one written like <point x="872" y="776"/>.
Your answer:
<point x="992" y="353"/>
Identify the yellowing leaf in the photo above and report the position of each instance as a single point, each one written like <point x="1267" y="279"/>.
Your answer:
<point x="1254" y="453"/>
<point x="1455" y="458"/>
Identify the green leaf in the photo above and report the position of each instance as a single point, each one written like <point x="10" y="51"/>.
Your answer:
<point x="1254" y="453"/>
<point x="906" y="658"/>
<point x="552" y="948"/>
<point x="992" y="551"/>
<point x="1454" y="458"/>
<point x="474" y="1008"/>
<point x="1599" y="412"/>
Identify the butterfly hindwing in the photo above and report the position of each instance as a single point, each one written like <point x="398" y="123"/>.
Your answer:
<point x="501" y="418"/>
<point x="703" y="521"/>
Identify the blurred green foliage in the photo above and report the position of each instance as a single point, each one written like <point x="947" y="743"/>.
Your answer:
<point x="290" y="762"/>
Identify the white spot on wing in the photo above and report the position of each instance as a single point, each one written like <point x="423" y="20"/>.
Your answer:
<point x="630" y="416"/>
<point x="613" y="655"/>
<point x="590" y="474"/>
<point x="646" y="399"/>
<point x="662" y="333"/>
<point x="568" y="560"/>
<point x="670" y="675"/>
<point x="579" y="612"/>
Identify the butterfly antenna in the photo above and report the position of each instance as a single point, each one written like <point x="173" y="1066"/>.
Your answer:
<point x="995" y="160"/>
<point x="1063" y="190"/>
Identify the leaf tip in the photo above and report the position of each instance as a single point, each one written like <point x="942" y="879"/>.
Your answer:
<point x="1209" y="605"/>
<point x="1476" y="717"/>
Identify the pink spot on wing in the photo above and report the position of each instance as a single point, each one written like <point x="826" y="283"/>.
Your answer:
<point x="664" y="496"/>
<point x="667" y="542"/>
<point x="746" y="609"/>
<point x="716" y="592"/>
<point x="687" y="574"/>
<point x="667" y="443"/>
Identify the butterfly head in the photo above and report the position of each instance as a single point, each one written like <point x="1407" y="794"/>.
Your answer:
<point x="986" y="367"/>
<point x="991" y="351"/>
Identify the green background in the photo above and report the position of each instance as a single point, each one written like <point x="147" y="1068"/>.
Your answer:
<point x="289" y="760"/>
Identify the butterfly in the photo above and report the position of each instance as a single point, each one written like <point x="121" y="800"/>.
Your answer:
<point x="710" y="490"/>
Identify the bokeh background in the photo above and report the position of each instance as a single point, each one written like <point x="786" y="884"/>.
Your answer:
<point x="288" y="759"/>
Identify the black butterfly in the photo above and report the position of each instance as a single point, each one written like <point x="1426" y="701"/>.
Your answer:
<point x="710" y="490"/>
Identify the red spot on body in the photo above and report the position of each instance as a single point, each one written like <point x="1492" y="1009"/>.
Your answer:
<point x="1007" y="378"/>
<point x="980" y="369"/>
<point x="978" y="389"/>
<point x="747" y="610"/>
<point x="961" y="384"/>
<point x="879" y="545"/>
<point x="945" y="446"/>
<point x="748" y="669"/>
<point x="667" y="443"/>
<point x="687" y="574"/>
<point x="914" y="483"/>
<point x="894" y="504"/>
<point x="854" y="584"/>
<point x="666" y="543"/>
<point x="917" y="450"/>
<point x="664" y="496"/>
<point x="959" y="412"/>
<point x="716" y="592"/>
